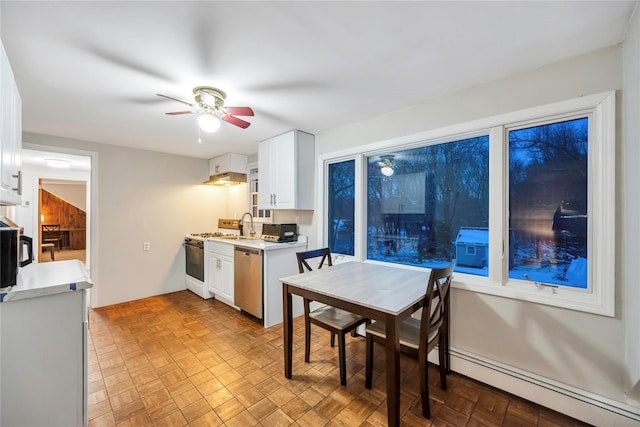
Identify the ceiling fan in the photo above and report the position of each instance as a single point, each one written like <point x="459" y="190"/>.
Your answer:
<point x="209" y="104"/>
<point x="386" y="164"/>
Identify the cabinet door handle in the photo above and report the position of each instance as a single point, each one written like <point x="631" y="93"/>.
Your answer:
<point x="18" y="189"/>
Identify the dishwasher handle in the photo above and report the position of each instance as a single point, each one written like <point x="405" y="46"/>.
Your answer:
<point x="248" y="251"/>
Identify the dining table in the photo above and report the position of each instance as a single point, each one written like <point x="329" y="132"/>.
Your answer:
<point x="375" y="291"/>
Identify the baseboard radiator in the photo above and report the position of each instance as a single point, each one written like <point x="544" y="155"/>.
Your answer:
<point x="576" y="403"/>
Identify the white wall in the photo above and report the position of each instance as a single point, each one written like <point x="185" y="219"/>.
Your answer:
<point x="629" y="197"/>
<point x="71" y="192"/>
<point x="581" y="350"/>
<point x="142" y="196"/>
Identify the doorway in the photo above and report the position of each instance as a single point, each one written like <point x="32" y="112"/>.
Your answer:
<point x="41" y="164"/>
<point x="62" y="220"/>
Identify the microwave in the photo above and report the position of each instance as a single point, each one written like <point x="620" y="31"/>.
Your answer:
<point x="16" y="251"/>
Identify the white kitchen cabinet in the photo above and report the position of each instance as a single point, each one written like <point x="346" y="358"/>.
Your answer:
<point x="279" y="263"/>
<point x="286" y="171"/>
<point x="220" y="270"/>
<point x="10" y="134"/>
<point x="44" y="347"/>
<point x="229" y="162"/>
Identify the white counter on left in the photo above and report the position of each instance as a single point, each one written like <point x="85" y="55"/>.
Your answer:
<point x="48" y="278"/>
<point x="44" y="346"/>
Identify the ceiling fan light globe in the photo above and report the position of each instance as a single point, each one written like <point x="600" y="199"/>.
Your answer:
<point x="386" y="170"/>
<point x="208" y="123"/>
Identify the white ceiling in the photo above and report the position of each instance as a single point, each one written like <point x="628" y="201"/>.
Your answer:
<point x="39" y="159"/>
<point x="90" y="70"/>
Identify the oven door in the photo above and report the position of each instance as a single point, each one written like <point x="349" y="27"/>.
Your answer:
<point x="195" y="259"/>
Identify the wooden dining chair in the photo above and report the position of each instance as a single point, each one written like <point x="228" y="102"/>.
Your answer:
<point x="338" y="322"/>
<point x="51" y="234"/>
<point x="420" y="336"/>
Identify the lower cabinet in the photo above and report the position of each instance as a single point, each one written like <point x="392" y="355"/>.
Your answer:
<point x="279" y="263"/>
<point x="220" y="270"/>
<point x="43" y="348"/>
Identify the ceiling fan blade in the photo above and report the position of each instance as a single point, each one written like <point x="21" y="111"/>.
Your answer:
<point x="176" y="113"/>
<point x="239" y="111"/>
<point x="179" y="100"/>
<point x="236" y="121"/>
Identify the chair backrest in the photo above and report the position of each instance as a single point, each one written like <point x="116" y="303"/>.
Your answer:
<point x="434" y="309"/>
<point x="325" y="253"/>
<point x="51" y="227"/>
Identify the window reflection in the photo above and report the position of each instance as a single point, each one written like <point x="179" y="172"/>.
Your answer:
<point x="548" y="203"/>
<point x="433" y="208"/>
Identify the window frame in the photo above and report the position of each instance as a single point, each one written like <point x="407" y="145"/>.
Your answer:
<point x="599" y="297"/>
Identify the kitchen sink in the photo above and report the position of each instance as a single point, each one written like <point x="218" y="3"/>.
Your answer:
<point x="238" y="238"/>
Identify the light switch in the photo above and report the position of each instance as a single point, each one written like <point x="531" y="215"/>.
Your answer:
<point x="146" y="246"/>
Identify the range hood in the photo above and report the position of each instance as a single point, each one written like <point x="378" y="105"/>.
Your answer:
<point x="227" y="179"/>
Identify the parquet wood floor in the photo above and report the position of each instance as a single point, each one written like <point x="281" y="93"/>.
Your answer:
<point x="178" y="360"/>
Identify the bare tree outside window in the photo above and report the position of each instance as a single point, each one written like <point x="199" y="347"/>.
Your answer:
<point x="341" y="202"/>
<point x="432" y="206"/>
<point x="548" y="203"/>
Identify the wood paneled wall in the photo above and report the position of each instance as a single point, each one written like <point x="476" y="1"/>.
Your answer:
<point x="72" y="220"/>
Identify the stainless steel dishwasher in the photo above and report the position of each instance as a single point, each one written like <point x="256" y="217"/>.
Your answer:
<point x="247" y="273"/>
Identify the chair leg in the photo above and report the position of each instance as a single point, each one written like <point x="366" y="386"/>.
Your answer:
<point x="307" y="339"/>
<point x="424" y="384"/>
<point x="442" y="357"/>
<point x="343" y="359"/>
<point x="369" y="362"/>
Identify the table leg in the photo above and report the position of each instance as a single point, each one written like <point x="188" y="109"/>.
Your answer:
<point x="393" y="371"/>
<point x="287" y="322"/>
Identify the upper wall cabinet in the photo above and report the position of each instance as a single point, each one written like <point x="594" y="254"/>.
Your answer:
<point x="230" y="162"/>
<point x="10" y="135"/>
<point x="286" y="171"/>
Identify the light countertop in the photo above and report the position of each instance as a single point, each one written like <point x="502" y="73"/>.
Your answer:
<point x="47" y="278"/>
<point x="260" y="244"/>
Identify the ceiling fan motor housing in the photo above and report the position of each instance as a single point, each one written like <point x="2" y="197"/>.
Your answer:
<point x="209" y="99"/>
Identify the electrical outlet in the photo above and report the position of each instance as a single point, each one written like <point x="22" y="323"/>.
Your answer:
<point x="297" y="219"/>
<point x="146" y="246"/>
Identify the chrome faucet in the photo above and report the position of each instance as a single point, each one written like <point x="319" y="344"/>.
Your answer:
<point x="252" y="232"/>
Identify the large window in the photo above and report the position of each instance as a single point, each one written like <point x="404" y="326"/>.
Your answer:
<point x="523" y="202"/>
<point x="427" y="206"/>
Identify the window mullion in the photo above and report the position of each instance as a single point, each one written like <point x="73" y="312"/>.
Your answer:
<point x="360" y="237"/>
<point x="498" y="216"/>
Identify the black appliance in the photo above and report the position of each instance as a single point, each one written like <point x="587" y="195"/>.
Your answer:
<point x="281" y="233"/>
<point x="194" y="251"/>
<point x="15" y="251"/>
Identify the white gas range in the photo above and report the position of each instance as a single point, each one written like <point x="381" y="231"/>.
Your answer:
<point x="195" y="278"/>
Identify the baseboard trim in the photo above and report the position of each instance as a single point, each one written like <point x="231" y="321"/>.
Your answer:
<point x="580" y="404"/>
